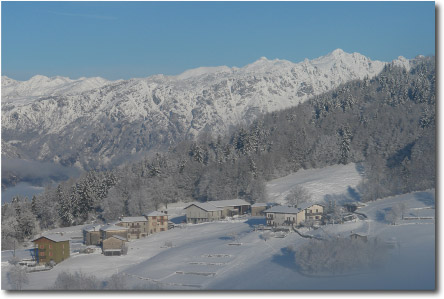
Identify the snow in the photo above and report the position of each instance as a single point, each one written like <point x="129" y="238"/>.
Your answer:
<point x="336" y="180"/>
<point x="202" y="258"/>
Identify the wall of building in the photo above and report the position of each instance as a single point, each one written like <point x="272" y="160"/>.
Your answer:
<point x="48" y="250"/>
<point x="157" y="224"/>
<point x="137" y="229"/>
<point x="198" y="215"/>
<point x="112" y="243"/>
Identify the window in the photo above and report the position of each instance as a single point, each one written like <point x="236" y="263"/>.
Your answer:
<point x="316" y="210"/>
<point x="42" y="246"/>
<point x="154" y="217"/>
<point x="63" y="246"/>
<point x="50" y="253"/>
<point x="50" y="246"/>
<point x="42" y="254"/>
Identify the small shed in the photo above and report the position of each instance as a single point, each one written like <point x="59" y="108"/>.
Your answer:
<point x="51" y="248"/>
<point x="113" y="245"/>
<point x="355" y="236"/>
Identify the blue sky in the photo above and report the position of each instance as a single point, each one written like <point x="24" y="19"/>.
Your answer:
<point x="118" y="40"/>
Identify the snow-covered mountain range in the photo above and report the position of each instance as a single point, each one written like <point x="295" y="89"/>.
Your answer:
<point x="94" y="122"/>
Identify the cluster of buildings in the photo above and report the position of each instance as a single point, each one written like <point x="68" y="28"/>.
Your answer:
<point x="112" y="237"/>
<point x="197" y="212"/>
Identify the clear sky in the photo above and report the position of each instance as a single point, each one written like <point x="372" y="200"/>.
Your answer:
<point x="121" y="40"/>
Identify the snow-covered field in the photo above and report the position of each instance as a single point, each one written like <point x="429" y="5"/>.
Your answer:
<point x="333" y="180"/>
<point x="205" y="257"/>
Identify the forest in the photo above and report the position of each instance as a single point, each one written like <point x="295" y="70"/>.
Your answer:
<point x="387" y="123"/>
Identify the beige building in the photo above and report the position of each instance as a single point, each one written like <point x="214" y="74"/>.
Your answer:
<point x="137" y="226"/>
<point x="114" y="245"/>
<point x="313" y="212"/>
<point x="284" y="216"/>
<point x="198" y="212"/>
<point x="110" y="230"/>
<point x="156" y="222"/>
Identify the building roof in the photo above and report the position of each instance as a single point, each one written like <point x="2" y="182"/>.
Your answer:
<point x="118" y="237"/>
<point x="133" y="219"/>
<point x="91" y="227"/>
<point x="228" y="203"/>
<point x="260" y="204"/>
<point x="110" y="227"/>
<point x="306" y="205"/>
<point x="155" y="213"/>
<point x="54" y="237"/>
<point x="204" y="206"/>
<point x="283" y="210"/>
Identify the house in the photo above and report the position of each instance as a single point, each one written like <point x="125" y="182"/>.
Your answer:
<point x="198" y="212"/>
<point x="284" y="215"/>
<point x="313" y="212"/>
<point x="258" y="208"/>
<point x="137" y="226"/>
<point x="91" y="235"/>
<point x="156" y="222"/>
<point x="51" y="248"/>
<point x="110" y="230"/>
<point x="114" y="245"/>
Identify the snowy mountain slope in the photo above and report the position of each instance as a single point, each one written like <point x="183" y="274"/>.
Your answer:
<point x="42" y="86"/>
<point x="106" y="125"/>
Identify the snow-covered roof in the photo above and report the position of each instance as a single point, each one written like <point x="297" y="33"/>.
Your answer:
<point x="110" y="227"/>
<point x="283" y="210"/>
<point x="228" y="203"/>
<point x="55" y="238"/>
<point x="155" y="213"/>
<point x="133" y="219"/>
<point x="306" y="205"/>
<point x="91" y="228"/>
<point x="260" y="204"/>
<point x="204" y="206"/>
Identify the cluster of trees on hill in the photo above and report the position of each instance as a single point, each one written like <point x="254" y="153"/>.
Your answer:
<point x="387" y="122"/>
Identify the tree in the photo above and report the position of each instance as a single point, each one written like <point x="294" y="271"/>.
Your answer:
<point x="297" y="196"/>
<point x="17" y="277"/>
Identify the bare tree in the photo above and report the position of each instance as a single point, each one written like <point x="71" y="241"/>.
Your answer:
<point x="297" y="196"/>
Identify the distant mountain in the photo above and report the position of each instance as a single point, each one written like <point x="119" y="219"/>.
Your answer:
<point x="96" y="123"/>
<point x="41" y="86"/>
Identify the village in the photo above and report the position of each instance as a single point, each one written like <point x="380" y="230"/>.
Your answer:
<point x="220" y="244"/>
<point x="111" y="239"/>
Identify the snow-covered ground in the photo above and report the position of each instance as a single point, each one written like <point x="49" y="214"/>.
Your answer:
<point x="204" y="256"/>
<point x="339" y="180"/>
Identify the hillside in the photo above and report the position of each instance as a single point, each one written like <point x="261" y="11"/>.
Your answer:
<point x="60" y="120"/>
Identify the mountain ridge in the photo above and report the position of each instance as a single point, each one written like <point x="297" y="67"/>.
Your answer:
<point x="103" y="125"/>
